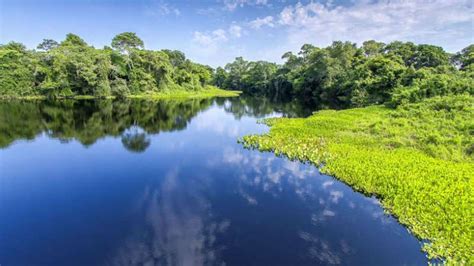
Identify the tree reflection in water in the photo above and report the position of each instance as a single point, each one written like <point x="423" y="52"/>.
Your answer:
<point x="89" y="120"/>
<point x="135" y="139"/>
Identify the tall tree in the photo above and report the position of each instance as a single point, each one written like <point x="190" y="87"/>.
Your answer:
<point x="73" y="40"/>
<point x="372" y="47"/>
<point x="47" y="44"/>
<point x="465" y="58"/>
<point x="127" y="41"/>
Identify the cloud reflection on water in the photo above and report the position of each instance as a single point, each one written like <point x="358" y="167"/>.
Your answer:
<point x="177" y="228"/>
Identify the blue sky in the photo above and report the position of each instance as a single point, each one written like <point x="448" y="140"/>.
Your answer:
<point x="214" y="32"/>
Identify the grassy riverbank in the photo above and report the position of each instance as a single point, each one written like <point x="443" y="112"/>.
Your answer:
<point x="418" y="159"/>
<point x="209" y="92"/>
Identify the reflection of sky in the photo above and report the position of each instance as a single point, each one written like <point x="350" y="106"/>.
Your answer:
<point x="193" y="197"/>
<point x="175" y="229"/>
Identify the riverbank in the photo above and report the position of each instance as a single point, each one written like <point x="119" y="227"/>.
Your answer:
<point x="417" y="159"/>
<point x="175" y="94"/>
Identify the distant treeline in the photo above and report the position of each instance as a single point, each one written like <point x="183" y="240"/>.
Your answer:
<point x="72" y="67"/>
<point x="344" y="75"/>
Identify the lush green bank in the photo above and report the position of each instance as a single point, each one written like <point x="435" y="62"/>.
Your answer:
<point x="207" y="92"/>
<point x="74" y="69"/>
<point x="418" y="159"/>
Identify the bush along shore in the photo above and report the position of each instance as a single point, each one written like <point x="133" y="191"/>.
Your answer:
<point x="73" y="69"/>
<point x="417" y="159"/>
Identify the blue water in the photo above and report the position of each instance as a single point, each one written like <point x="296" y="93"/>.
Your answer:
<point x="140" y="183"/>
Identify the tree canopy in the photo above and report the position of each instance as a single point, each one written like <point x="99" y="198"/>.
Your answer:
<point x="127" y="41"/>
<point x="343" y="75"/>
<point x="72" y="67"/>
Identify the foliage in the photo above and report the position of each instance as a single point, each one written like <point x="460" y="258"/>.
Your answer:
<point x="47" y="44"/>
<point x="418" y="159"/>
<point x="72" y="68"/>
<point x="465" y="58"/>
<point x="344" y="75"/>
<point x="16" y="70"/>
<point x="127" y="41"/>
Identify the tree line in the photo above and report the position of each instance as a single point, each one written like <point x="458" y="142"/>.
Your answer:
<point x="345" y="75"/>
<point x="72" y="67"/>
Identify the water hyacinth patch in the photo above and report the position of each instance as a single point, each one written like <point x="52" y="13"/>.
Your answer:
<point x="418" y="159"/>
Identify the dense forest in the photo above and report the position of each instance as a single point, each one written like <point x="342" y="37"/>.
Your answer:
<point x="340" y="75"/>
<point x="74" y="68"/>
<point x="344" y="75"/>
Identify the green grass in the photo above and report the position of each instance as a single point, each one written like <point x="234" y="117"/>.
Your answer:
<point x="209" y="92"/>
<point x="417" y="159"/>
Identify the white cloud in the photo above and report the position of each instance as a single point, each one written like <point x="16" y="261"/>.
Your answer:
<point x="259" y="22"/>
<point x="235" y="31"/>
<point x="440" y="22"/>
<point x="436" y="21"/>
<point x="161" y="8"/>
<point x="210" y="48"/>
<point x="166" y="9"/>
<point x="210" y="39"/>
<point x="231" y="5"/>
<point x="219" y="35"/>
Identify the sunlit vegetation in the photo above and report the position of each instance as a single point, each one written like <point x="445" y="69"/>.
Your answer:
<point x="412" y="145"/>
<point x="344" y="75"/>
<point x="74" y="69"/>
<point x="418" y="159"/>
<point x="89" y="120"/>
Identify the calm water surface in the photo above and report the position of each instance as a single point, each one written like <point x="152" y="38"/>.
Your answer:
<point x="166" y="183"/>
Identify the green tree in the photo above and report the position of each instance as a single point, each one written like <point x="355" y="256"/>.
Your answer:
<point x="465" y="58"/>
<point x="47" y="44"/>
<point x="237" y="71"/>
<point x="429" y="56"/>
<point x="73" y="40"/>
<point x="126" y="41"/>
<point x="177" y="58"/>
<point x="220" y="77"/>
<point x="17" y="68"/>
<point x="376" y="79"/>
<point x="372" y="48"/>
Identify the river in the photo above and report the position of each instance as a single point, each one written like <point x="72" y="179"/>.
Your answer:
<point x="135" y="182"/>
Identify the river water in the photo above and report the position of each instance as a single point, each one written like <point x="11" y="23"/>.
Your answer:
<point x="167" y="183"/>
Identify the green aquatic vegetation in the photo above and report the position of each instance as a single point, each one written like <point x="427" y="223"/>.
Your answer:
<point x="417" y="159"/>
